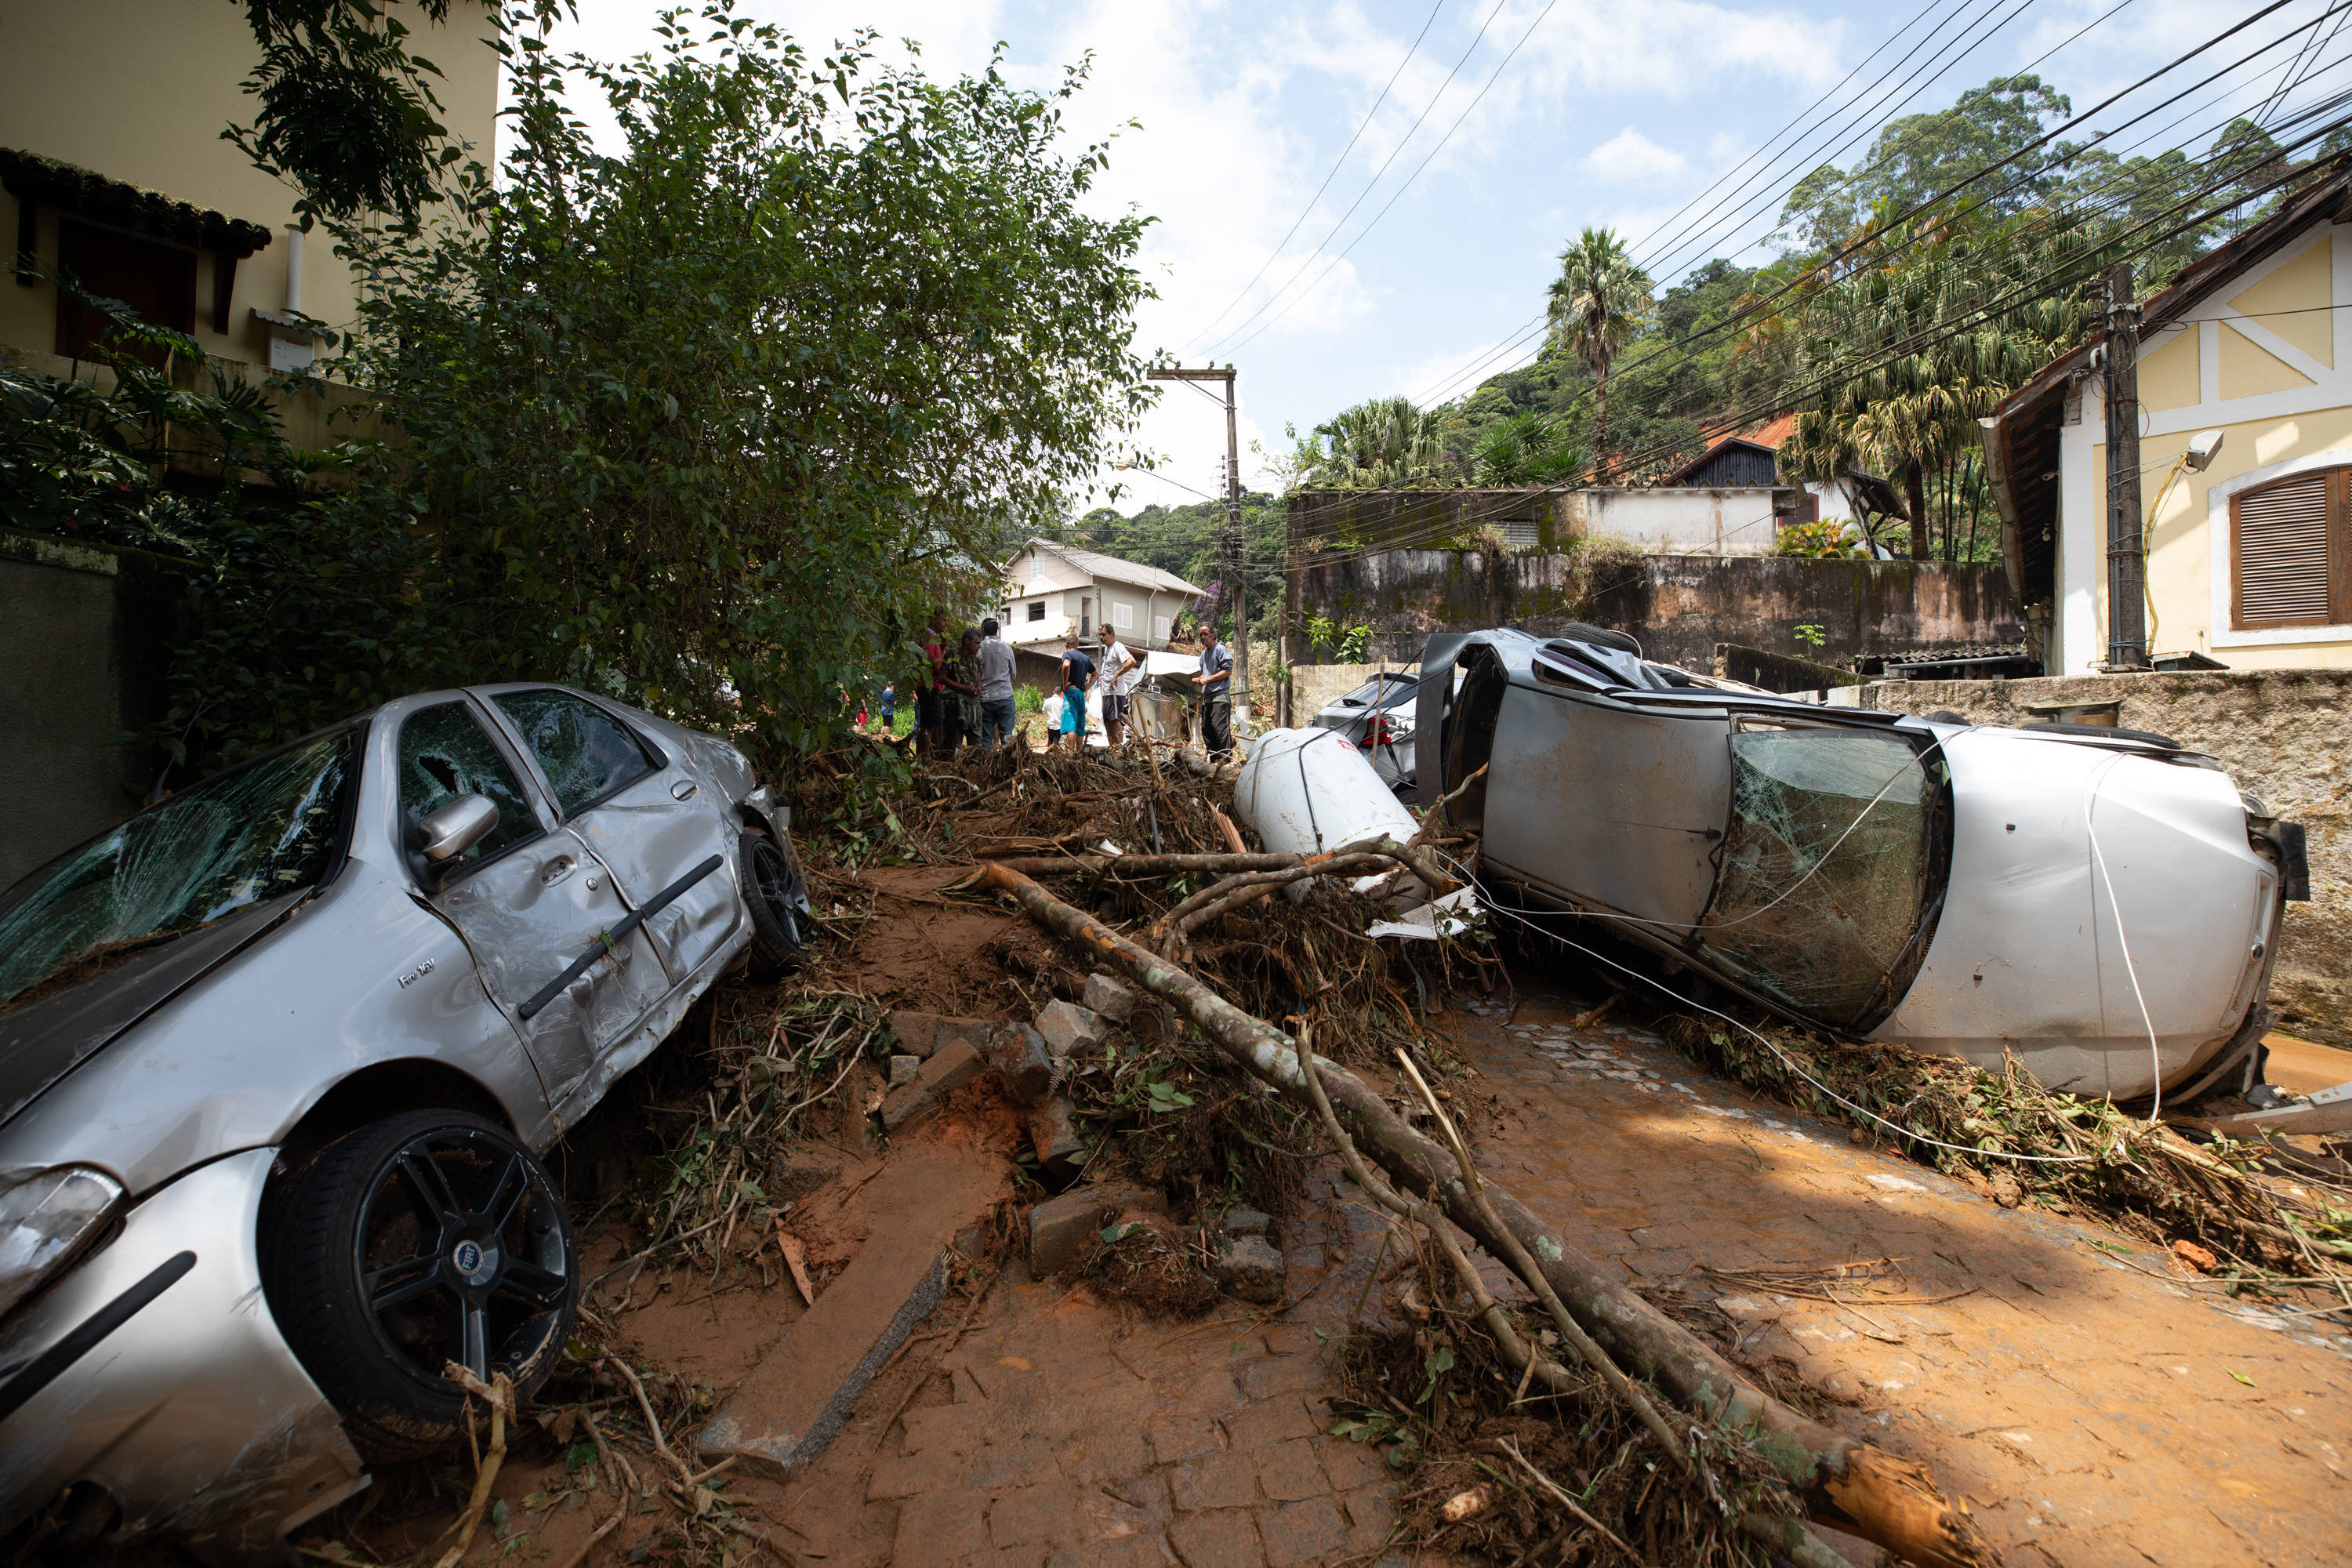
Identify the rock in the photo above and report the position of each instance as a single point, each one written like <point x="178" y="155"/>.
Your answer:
<point x="1243" y="1222"/>
<point x="1018" y="1054"/>
<point x="955" y="1064"/>
<point x="1249" y="1267"/>
<point x="2005" y="1189"/>
<point x="1061" y="1227"/>
<point x="904" y="1068"/>
<point x="1054" y="1136"/>
<point x="922" y="1034"/>
<point x="1066" y="1028"/>
<point x="1113" y="998"/>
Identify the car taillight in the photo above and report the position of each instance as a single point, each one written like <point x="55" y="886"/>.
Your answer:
<point x="1376" y="732"/>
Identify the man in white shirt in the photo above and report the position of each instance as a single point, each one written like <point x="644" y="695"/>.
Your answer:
<point x="995" y="686"/>
<point x="1119" y="673"/>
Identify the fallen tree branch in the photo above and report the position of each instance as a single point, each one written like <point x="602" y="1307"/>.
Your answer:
<point x="498" y="1395"/>
<point x="1877" y="1495"/>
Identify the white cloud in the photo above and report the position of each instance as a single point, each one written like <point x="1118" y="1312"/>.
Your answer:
<point x="1630" y="156"/>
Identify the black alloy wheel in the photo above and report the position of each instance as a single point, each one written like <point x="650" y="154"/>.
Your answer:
<point x="778" y="900"/>
<point x="429" y="1237"/>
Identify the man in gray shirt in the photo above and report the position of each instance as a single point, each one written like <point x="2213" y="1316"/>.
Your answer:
<point x="1216" y="679"/>
<point x="995" y="686"/>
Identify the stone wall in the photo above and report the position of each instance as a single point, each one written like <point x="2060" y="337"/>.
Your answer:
<point x="1679" y="606"/>
<point x="2285" y="735"/>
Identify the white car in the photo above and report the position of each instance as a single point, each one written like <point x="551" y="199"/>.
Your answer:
<point x="2102" y="904"/>
<point x="1377" y="719"/>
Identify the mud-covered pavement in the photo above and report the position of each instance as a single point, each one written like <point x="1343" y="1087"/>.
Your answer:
<point x="2093" y="1403"/>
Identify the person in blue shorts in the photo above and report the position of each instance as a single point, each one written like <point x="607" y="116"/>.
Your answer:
<point x="1077" y="675"/>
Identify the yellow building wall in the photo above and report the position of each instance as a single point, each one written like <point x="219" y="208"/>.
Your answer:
<point x="140" y="90"/>
<point x="2180" y="564"/>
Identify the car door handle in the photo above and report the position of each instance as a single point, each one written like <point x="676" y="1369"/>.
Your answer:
<point x="562" y="866"/>
<point x="612" y="939"/>
<point x="682" y="790"/>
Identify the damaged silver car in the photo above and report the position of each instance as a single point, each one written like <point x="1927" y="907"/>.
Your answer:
<point x="2101" y="904"/>
<point x="277" y="1059"/>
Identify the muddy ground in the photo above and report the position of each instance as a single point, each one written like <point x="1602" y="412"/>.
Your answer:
<point x="2095" y="1402"/>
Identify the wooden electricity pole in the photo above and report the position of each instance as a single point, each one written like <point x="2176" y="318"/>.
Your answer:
<point x="2127" y="550"/>
<point x="1237" y="546"/>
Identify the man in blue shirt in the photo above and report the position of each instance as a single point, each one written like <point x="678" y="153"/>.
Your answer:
<point x="1077" y="675"/>
<point x="1216" y="679"/>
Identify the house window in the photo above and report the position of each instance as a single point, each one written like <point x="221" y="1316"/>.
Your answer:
<point x="156" y="281"/>
<point x="1519" y="532"/>
<point x="1037" y="609"/>
<point x="2290" y="565"/>
<point x="1085" y="618"/>
<point x="1122" y="615"/>
<point x="1159" y="629"/>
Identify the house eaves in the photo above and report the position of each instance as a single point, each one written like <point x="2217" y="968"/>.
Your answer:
<point x="1095" y="565"/>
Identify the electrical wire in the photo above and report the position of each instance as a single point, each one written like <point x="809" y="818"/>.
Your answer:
<point x="2114" y="906"/>
<point x="1337" y="164"/>
<point x="1403" y="143"/>
<point x="1395" y="196"/>
<point x="1487" y="901"/>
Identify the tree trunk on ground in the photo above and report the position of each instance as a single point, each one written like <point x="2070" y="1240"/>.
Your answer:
<point x="1915" y="498"/>
<point x="1883" y="1497"/>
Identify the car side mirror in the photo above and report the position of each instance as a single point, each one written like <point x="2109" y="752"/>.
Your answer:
<point x="455" y="827"/>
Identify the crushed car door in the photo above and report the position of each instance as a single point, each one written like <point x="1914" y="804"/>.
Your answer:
<point x="530" y="900"/>
<point x="644" y="816"/>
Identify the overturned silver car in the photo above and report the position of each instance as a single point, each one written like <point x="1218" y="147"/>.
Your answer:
<point x="2101" y="904"/>
<point x="277" y="1059"/>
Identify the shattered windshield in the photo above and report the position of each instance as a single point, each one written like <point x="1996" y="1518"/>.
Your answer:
<point x="1823" y="870"/>
<point x="268" y="828"/>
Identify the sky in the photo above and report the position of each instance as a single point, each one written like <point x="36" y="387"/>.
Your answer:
<point x="1361" y="197"/>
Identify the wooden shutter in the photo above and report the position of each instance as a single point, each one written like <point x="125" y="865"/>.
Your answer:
<point x="2284" y="540"/>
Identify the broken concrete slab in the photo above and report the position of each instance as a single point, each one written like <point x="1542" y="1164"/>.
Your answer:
<point x="1018" y="1054"/>
<point x="922" y="1034"/>
<point x="955" y="1064"/>
<point x="1054" y="1136"/>
<point x="1113" y="998"/>
<point x="798" y="1398"/>
<point x="1066" y="1028"/>
<point x="904" y="1068"/>
<point x="1060" y="1227"/>
<point x="1249" y="1267"/>
<point x="1244" y="1222"/>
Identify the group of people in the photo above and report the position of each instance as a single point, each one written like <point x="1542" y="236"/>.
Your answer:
<point x="964" y="695"/>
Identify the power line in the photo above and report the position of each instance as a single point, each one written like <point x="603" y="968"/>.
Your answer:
<point x="1409" y="179"/>
<point x="1337" y="164"/>
<point x="1403" y="143"/>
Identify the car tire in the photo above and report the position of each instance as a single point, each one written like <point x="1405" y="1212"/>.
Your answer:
<point x="777" y="897"/>
<point x="375" y="1308"/>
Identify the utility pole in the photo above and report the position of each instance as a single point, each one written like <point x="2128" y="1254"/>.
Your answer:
<point x="1237" y="546"/>
<point x="2126" y="548"/>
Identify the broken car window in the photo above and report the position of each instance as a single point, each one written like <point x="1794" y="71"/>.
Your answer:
<point x="1822" y="871"/>
<point x="445" y="752"/>
<point x="583" y="750"/>
<point x="270" y="827"/>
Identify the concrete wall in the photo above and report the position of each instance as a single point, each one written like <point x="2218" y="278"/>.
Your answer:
<point x="70" y="682"/>
<point x="1683" y="519"/>
<point x="2285" y="735"/>
<point x="1314" y="685"/>
<point x="140" y="90"/>
<point x="1679" y="606"/>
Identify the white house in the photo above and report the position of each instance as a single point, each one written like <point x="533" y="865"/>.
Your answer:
<point x="1054" y="592"/>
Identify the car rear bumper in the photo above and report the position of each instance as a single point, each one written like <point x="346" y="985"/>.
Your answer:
<point x="156" y="1371"/>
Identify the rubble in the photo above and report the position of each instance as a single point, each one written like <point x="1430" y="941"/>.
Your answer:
<point x="1114" y="998"/>
<point x="909" y="1107"/>
<point x="1060" y="1229"/>
<point x="1249" y="1267"/>
<point x="1244" y="1222"/>
<point x="921" y="1034"/>
<point x="1018" y="1055"/>
<point x="1068" y="1027"/>
<point x="1054" y="1136"/>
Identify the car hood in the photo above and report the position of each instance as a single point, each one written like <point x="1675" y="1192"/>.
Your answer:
<point x="42" y="1041"/>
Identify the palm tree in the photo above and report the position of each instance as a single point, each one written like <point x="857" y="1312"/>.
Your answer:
<point x="1597" y="301"/>
<point x="1379" y="442"/>
<point x="1911" y="360"/>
